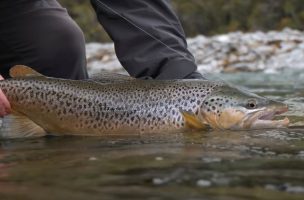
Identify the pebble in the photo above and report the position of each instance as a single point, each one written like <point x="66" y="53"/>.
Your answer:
<point x="159" y="158"/>
<point x="211" y="160"/>
<point x="232" y="52"/>
<point x="285" y="187"/>
<point x="203" y="183"/>
<point x="93" y="158"/>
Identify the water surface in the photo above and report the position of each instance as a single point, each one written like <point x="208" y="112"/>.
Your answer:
<point x="260" y="164"/>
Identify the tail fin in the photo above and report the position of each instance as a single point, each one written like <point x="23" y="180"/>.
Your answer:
<point x="17" y="125"/>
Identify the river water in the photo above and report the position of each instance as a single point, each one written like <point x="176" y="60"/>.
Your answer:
<point x="225" y="165"/>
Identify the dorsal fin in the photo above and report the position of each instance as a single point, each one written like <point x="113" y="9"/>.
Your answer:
<point x="23" y="71"/>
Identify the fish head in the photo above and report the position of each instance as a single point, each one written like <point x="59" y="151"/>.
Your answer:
<point x="237" y="109"/>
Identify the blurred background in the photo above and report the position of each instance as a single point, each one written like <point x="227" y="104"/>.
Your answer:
<point x="223" y="35"/>
<point x="208" y="17"/>
<point x="252" y="44"/>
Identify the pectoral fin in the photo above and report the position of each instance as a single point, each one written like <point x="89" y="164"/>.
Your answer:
<point x="17" y="125"/>
<point x="192" y="121"/>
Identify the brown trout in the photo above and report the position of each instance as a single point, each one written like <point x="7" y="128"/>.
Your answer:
<point x="118" y="104"/>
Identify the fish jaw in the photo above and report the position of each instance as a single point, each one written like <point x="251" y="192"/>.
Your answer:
<point x="243" y="119"/>
<point x="264" y="119"/>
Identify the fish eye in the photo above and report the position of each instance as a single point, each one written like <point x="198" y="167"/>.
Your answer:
<point x="251" y="104"/>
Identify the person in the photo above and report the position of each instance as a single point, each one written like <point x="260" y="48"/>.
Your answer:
<point x="148" y="38"/>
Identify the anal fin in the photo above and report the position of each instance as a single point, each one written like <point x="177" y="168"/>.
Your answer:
<point x="17" y="125"/>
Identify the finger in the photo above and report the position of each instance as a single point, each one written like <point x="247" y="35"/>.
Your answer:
<point x="5" y="106"/>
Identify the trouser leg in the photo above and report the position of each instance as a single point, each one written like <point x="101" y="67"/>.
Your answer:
<point x="153" y="44"/>
<point x="46" y="39"/>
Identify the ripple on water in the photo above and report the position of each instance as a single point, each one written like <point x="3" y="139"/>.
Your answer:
<point x="257" y="164"/>
<point x="283" y="135"/>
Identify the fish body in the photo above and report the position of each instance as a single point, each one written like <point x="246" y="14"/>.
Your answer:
<point x="75" y="107"/>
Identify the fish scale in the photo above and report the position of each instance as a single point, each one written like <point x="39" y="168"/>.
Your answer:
<point x="118" y="104"/>
<point x="90" y="108"/>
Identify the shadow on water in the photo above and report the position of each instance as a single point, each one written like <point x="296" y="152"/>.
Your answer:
<point x="259" y="164"/>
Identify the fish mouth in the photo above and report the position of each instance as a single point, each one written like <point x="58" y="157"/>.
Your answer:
<point x="265" y="119"/>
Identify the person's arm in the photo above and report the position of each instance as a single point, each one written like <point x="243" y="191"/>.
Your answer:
<point x="5" y="107"/>
<point x="140" y="54"/>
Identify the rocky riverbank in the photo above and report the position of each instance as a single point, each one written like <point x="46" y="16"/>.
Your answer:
<point x="270" y="52"/>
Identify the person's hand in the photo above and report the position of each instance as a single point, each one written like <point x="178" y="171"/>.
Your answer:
<point x="5" y="106"/>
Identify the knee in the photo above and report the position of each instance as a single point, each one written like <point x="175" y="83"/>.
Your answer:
<point x="62" y="53"/>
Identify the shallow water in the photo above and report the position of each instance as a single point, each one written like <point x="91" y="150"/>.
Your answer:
<point x="261" y="164"/>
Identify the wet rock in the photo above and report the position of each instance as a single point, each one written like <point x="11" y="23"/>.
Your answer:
<point x="158" y="181"/>
<point x="285" y="187"/>
<point x="233" y="52"/>
<point x="203" y="183"/>
<point x="101" y="57"/>
<point x="301" y="154"/>
<point x="211" y="160"/>
<point x="159" y="158"/>
<point x="93" y="158"/>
